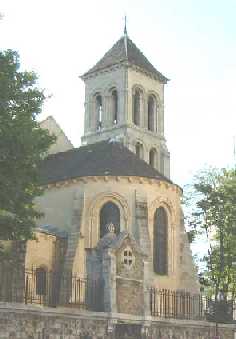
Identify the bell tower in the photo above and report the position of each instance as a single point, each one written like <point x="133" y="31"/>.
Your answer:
<point x="124" y="100"/>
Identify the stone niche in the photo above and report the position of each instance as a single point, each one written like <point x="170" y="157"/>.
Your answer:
<point x="119" y="262"/>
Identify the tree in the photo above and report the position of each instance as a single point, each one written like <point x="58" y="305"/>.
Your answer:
<point x="213" y="214"/>
<point x="23" y="145"/>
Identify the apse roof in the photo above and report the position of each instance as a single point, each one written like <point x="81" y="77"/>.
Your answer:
<point x="52" y="230"/>
<point x="124" y="50"/>
<point x="105" y="158"/>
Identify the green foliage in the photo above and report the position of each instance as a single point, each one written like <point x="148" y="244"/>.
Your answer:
<point x="213" y="214"/>
<point x="23" y="145"/>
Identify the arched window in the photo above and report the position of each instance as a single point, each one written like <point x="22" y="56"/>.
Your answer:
<point x="153" y="158"/>
<point x="98" y="109"/>
<point x="139" y="150"/>
<point x="41" y="281"/>
<point x="160" y="242"/>
<point x="109" y="213"/>
<point x="114" y="107"/>
<point x="152" y="113"/>
<point x="136" y="107"/>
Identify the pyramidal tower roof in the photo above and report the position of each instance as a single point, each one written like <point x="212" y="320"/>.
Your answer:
<point x="124" y="51"/>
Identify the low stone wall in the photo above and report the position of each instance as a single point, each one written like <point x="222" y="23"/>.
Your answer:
<point x="18" y="321"/>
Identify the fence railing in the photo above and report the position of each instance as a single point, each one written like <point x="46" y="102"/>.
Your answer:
<point x="38" y="286"/>
<point x="183" y="305"/>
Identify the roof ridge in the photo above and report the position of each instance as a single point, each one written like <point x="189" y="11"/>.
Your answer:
<point x="118" y="53"/>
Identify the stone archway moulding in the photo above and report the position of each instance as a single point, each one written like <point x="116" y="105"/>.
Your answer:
<point x="92" y="215"/>
<point x="171" y="213"/>
<point x="167" y="204"/>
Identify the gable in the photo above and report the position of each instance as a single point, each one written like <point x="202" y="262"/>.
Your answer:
<point x="62" y="143"/>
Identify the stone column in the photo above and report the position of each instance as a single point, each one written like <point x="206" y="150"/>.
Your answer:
<point x="142" y="223"/>
<point x="109" y="279"/>
<point x="146" y="288"/>
<point x="107" y="112"/>
<point x="86" y="117"/>
<point x="92" y="115"/>
<point x="125" y="102"/>
<point x="167" y="164"/>
<point x="72" y="244"/>
<point x="75" y="230"/>
<point x="161" y="118"/>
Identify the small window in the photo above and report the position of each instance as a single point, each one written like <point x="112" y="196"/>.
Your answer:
<point x="137" y="107"/>
<point x="152" y="113"/>
<point x="114" y="96"/>
<point x="41" y="281"/>
<point x="99" y="111"/>
<point x="128" y="258"/>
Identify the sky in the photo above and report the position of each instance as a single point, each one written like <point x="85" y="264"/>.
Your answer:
<point x="191" y="42"/>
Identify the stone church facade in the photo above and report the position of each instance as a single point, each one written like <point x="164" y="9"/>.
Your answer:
<point x="120" y="174"/>
<point x="112" y="216"/>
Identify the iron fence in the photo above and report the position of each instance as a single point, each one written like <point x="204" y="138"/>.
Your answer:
<point x="177" y="304"/>
<point x="38" y="286"/>
<point x="183" y="305"/>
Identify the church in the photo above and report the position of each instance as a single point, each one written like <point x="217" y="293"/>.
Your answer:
<point x="112" y="239"/>
<point x="120" y="176"/>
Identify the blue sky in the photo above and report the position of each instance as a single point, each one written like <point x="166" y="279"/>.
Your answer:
<point x="191" y="42"/>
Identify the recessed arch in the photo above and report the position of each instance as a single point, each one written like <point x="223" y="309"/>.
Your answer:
<point x="109" y="214"/>
<point x="92" y="219"/>
<point x="172" y="216"/>
<point x="98" y="101"/>
<point x="152" y="113"/>
<point x="160" y="242"/>
<point x="137" y="102"/>
<point x="114" y="106"/>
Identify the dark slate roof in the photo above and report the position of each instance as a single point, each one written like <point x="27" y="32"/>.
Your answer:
<point x="117" y="54"/>
<point x="105" y="158"/>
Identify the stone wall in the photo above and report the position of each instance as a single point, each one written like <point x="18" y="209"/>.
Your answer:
<point x="46" y="251"/>
<point x="62" y="143"/>
<point x="129" y="297"/>
<point x="19" y="321"/>
<point x="194" y="331"/>
<point x="29" y="322"/>
<point x="59" y="207"/>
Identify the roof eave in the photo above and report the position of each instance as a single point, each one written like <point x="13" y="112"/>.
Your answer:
<point x="102" y="69"/>
<point x="155" y="74"/>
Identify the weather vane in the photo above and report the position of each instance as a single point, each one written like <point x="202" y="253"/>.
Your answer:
<point x="125" y="28"/>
